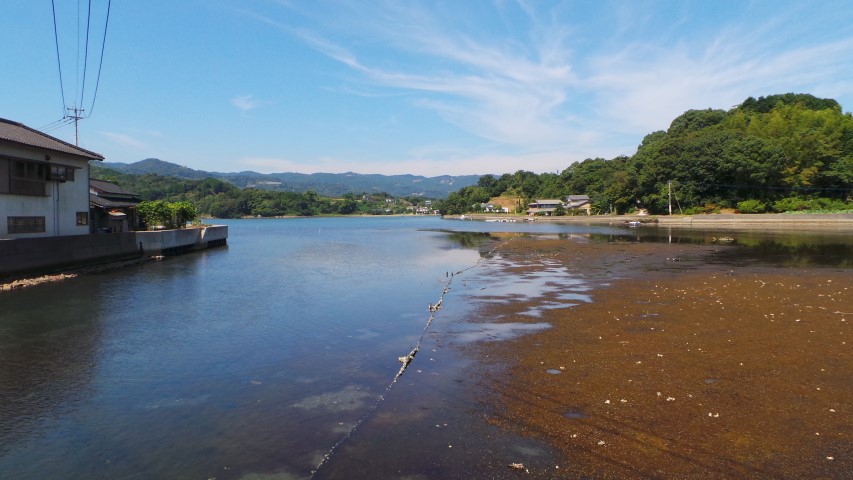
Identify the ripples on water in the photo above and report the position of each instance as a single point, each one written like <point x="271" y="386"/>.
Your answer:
<point x="256" y="358"/>
<point x="246" y="358"/>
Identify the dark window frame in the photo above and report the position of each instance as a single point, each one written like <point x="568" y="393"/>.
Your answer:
<point x="30" y="177"/>
<point x="29" y="224"/>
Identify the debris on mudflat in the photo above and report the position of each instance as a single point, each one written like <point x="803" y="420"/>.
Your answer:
<point x="517" y="466"/>
<point x="407" y="359"/>
<point x="29" y="282"/>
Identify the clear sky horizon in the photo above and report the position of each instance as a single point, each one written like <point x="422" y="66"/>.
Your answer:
<point x="421" y="87"/>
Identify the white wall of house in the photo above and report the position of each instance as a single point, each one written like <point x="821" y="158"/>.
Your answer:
<point x="62" y="202"/>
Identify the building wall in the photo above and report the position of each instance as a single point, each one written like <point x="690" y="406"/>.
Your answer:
<point x="50" y="253"/>
<point x="41" y="255"/>
<point x="64" y="199"/>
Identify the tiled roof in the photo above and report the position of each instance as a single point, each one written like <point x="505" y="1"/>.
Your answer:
<point x="107" y="203"/>
<point x="107" y="187"/>
<point x="19" y="133"/>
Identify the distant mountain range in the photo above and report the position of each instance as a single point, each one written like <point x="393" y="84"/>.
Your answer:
<point x="326" y="184"/>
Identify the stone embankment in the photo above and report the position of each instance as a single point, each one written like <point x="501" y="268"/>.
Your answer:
<point x="32" y="281"/>
<point x="781" y="221"/>
<point x="34" y="261"/>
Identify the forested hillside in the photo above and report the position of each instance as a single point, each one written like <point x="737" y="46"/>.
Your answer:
<point x="217" y="198"/>
<point x="327" y="184"/>
<point x="777" y="153"/>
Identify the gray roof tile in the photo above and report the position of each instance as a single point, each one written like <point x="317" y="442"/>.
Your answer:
<point x="19" y="133"/>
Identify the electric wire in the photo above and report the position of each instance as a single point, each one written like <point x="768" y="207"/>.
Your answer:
<point x="58" y="58"/>
<point x="74" y="111"/>
<point x="54" y="124"/>
<point x="63" y="123"/>
<point x="101" y="61"/>
<point x="86" y="52"/>
<point x="767" y="187"/>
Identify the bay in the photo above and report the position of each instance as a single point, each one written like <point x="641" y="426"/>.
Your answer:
<point x="260" y="359"/>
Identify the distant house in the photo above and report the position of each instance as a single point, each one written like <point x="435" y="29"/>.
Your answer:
<point x="492" y="208"/>
<point x="113" y="208"/>
<point x="44" y="184"/>
<point x="543" y="207"/>
<point x="579" y="202"/>
<point x="506" y="204"/>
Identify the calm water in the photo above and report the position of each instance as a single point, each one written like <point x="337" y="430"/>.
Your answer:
<point x="253" y="361"/>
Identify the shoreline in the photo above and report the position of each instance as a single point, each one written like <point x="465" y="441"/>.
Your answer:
<point x="680" y="369"/>
<point x="842" y="222"/>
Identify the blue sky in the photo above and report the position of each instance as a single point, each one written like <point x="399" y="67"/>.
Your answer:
<point x="422" y="87"/>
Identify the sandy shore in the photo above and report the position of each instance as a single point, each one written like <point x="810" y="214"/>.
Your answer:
<point x="681" y="368"/>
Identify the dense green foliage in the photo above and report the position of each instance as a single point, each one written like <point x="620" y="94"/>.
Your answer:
<point x="776" y="153"/>
<point x="325" y="184"/>
<point x="166" y="214"/>
<point x="789" y="152"/>
<point x="217" y="198"/>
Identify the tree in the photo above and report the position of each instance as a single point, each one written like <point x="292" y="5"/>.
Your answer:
<point x="182" y="212"/>
<point x="348" y="205"/>
<point x="154" y="213"/>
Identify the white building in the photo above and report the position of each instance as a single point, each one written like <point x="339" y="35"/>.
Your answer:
<point x="44" y="184"/>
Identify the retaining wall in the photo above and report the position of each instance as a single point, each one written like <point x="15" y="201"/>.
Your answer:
<point x="45" y="254"/>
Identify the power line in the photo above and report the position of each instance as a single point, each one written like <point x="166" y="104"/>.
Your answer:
<point x="75" y="112"/>
<point x="58" y="62"/>
<point x="86" y="52"/>
<point x="52" y="124"/>
<point x="101" y="61"/>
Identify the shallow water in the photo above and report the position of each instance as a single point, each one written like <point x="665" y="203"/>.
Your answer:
<point x="254" y="360"/>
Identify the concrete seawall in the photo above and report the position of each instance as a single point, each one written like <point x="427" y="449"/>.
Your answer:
<point x="49" y="254"/>
<point x="761" y="221"/>
<point x="841" y="222"/>
<point x="169" y="242"/>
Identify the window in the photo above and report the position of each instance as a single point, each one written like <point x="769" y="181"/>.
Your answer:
<point x="28" y="178"/>
<point x="82" y="218"/>
<point x="25" y="225"/>
<point x="61" y="173"/>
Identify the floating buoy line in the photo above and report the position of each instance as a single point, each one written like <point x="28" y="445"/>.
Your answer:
<point x="405" y="360"/>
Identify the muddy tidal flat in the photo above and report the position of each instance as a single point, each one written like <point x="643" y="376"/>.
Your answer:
<point x="679" y="366"/>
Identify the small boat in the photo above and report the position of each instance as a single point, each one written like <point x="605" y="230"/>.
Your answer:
<point x="634" y="223"/>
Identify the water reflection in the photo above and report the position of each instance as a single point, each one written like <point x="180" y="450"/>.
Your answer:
<point x="47" y="364"/>
<point x="259" y="357"/>
<point x="829" y="248"/>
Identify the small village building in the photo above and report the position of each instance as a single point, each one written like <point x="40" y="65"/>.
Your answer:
<point x="493" y="208"/>
<point x="44" y="184"/>
<point x="579" y="202"/>
<point x="543" y="207"/>
<point x="113" y="208"/>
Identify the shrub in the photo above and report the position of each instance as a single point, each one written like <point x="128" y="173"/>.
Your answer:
<point x="791" y="204"/>
<point x="751" y="206"/>
<point x="169" y="215"/>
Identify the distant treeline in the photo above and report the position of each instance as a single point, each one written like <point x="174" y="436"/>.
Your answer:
<point x="217" y="198"/>
<point x="777" y="153"/>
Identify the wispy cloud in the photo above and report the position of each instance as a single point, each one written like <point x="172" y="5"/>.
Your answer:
<point x="245" y="103"/>
<point x="540" y="83"/>
<point x="503" y="92"/>
<point x="125" y="140"/>
<point x="641" y="88"/>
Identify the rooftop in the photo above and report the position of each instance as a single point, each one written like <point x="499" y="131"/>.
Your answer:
<point x="19" y="133"/>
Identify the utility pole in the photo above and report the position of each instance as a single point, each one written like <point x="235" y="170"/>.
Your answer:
<point x="76" y="116"/>
<point x="669" y="189"/>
